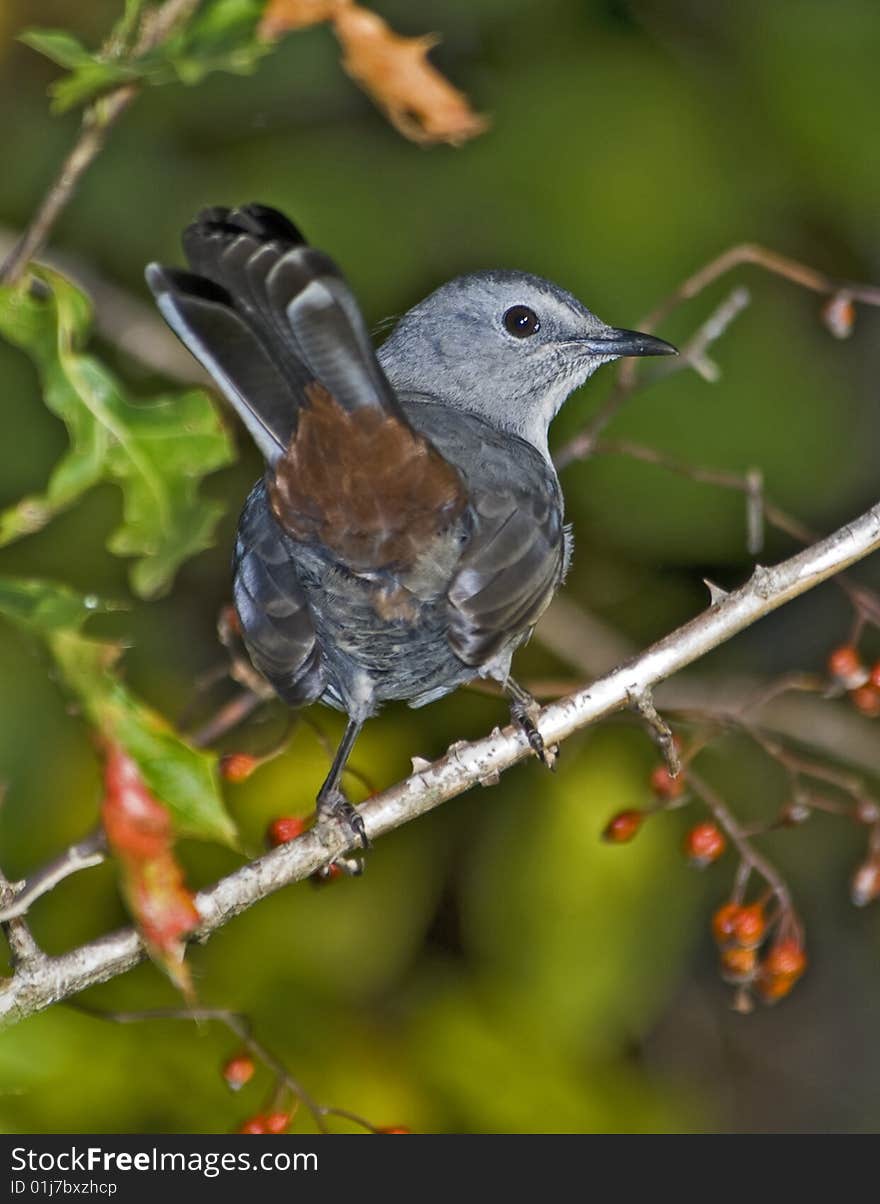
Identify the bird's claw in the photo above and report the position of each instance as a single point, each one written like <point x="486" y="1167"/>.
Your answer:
<point x="528" y="727"/>
<point x="335" y="806"/>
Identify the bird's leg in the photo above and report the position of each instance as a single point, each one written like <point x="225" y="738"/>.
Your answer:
<point x="332" y="803"/>
<point x="523" y="711"/>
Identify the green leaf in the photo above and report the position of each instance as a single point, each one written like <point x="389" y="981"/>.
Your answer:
<point x="184" y="778"/>
<point x="221" y="36"/>
<point x="45" y="609"/>
<point x="58" y="45"/>
<point x="156" y="452"/>
<point x="88" y="81"/>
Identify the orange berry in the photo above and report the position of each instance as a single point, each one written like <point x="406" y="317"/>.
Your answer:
<point x="256" y="1124"/>
<point x="866" y="699"/>
<point x="238" y="1071"/>
<point x="704" y="844"/>
<point x="786" y="957"/>
<point x="749" y="926"/>
<point x="723" y="923"/>
<point x="622" y="827"/>
<point x="664" y="786"/>
<point x="846" y="668"/>
<point x="738" y="965"/>
<point x="276" y="1122"/>
<point x="285" y="828"/>
<point x="395" y="1129"/>
<point x="238" y="767"/>
<point x="874" y="675"/>
<point x="865" y="886"/>
<point x="780" y="969"/>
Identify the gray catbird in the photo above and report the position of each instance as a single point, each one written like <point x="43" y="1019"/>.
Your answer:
<point x="408" y="532"/>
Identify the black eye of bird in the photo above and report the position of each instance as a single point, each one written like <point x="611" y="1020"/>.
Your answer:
<point x="520" y="321"/>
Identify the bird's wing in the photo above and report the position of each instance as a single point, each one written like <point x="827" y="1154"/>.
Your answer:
<point x="271" y="604"/>
<point x="509" y="570"/>
<point x="274" y="322"/>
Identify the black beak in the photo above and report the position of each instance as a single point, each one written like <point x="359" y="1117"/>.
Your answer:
<point x="626" y="342"/>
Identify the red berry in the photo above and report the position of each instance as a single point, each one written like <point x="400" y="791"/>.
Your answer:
<point x="285" y="828"/>
<point x="780" y="969"/>
<point x="256" y="1124"/>
<point x="867" y="700"/>
<point x="327" y="874"/>
<point x="846" y="668"/>
<point x="664" y="786"/>
<point x="723" y="924"/>
<point x="742" y="927"/>
<point x="749" y="926"/>
<point x="238" y="767"/>
<point x="738" y="965"/>
<point x="395" y="1129"/>
<point x="229" y="620"/>
<point x="622" y="827"/>
<point x="238" y="1071"/>
<point x="276" y="1122"/>
<point x="865" y="886"/>
<point x="874" y="675"/>
<point x="704" y="844"/>
<point x="786" y="957"/>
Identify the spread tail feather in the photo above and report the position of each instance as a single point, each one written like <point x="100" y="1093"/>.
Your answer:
<point x="269" y="316"/>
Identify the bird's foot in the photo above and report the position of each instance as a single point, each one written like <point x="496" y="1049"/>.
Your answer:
<point x="335" y="806"/>
<point x="524" y="715"/>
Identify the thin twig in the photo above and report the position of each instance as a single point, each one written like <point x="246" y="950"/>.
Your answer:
<point x="98" y="119"/>
<point x="464" y="765"/>
<point x="628" y="375"/>
<point x="240" y="1025"/>
<point x="749" y="855"/>
<point x="88" y="852"/>
<point x="23" y="949"/>
<point x="229" y="716"/>
<point x="864" y="601"/>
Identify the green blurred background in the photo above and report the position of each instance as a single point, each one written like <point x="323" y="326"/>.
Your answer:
<point x="497" y="968"/>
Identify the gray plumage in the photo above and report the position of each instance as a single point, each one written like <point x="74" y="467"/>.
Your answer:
<point x="409" y="531"/>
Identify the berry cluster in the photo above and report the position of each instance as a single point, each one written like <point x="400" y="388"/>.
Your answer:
<point x="739" y="930"/>
<point x="862" y="684"/>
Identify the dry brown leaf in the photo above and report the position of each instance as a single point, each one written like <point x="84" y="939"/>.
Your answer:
<point x="417" y="99"/>
<point x="284" y="16"/>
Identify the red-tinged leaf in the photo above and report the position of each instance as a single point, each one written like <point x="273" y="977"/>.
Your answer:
<point x="140" y="835"/>
<point x="183" y="777"/>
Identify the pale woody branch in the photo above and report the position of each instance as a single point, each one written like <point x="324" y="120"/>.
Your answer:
<point x="42" y="981"/>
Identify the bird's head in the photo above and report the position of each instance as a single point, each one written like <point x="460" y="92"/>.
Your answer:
<point x="507" y="345"/>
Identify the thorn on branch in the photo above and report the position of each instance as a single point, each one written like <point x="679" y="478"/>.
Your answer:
<point x="716" y="592"/>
